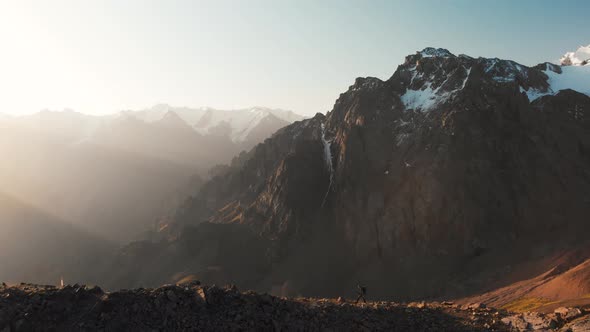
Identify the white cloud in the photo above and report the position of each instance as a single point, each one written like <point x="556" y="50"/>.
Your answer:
<point x="582" y="54"/>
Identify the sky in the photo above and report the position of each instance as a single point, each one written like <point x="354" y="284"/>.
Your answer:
<point x="103" y="56"/>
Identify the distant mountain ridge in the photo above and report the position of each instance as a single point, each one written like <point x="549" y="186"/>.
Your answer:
<point x="117" y="175"/>
<point x="225" y="132"/>
<point x="206" y="120"/>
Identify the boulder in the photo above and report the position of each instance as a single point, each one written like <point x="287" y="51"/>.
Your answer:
<point x="568" y="313"/>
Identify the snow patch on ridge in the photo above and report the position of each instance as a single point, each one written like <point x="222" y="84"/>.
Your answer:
<point x="466" y="78"/>
<point x="576" y="78"/>
<point x="422" y="99"/>
<point x="533" y="93"/>
<point x="572" y="77"/>
<point x="426" y="97"/>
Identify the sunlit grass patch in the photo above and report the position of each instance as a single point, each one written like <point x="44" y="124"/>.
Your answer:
<point x="526" y="304"/>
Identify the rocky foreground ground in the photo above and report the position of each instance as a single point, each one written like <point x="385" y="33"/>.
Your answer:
<point x="193" y="307"/>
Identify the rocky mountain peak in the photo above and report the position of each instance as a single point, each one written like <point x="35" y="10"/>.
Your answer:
<point x="428" y="52"/>
<point x="435" y="52"/>
<point x="432" y="77"/>
<point x="451" y="158"/>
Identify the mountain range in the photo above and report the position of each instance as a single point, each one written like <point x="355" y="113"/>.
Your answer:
<point x="232" y="130"/>
<point x="473" y="170"/>
<point x="115" y="176"/>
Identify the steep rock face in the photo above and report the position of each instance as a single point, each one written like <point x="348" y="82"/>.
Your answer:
<point x="450" y="159"/>
<point x="284" y="176"/>
<point x="458" y="168"/>
<point x="435" y="166"/>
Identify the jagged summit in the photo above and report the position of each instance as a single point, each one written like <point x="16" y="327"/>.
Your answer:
<point x="433" y="76"/>
<point x="435" y="52"/>
<point x="430" y="78"/>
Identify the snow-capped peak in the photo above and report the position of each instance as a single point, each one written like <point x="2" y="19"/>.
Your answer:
<point x="205" y="119"/>
<point x="433" y="76"/>
<point x="575" y="76"/>
<point x="432" y="82"/>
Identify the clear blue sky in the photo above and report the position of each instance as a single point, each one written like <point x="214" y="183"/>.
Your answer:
<point x="103" y="56"/>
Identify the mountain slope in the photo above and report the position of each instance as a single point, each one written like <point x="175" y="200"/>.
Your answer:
<point x="103" y="190"/>
<point x="452" y="162"/>
<point x="38" y="247"/>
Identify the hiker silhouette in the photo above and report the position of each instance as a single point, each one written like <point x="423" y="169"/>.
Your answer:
<point x="362" y="293"/>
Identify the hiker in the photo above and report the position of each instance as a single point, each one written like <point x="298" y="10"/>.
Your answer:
<point x="362" y="292"/>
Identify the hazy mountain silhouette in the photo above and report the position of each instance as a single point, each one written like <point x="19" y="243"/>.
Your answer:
<point x="116" y="175"/>
<point x="38" y="247"/>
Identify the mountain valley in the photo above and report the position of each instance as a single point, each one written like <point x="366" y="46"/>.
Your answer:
<point x="473" y="170"/>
